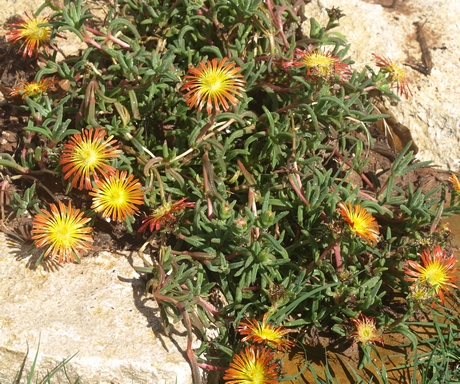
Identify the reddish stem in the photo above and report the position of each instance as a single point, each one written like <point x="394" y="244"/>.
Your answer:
<point x="108" y="36"/>
<point x="210" y="367"/>
<point x="338" y="258"/>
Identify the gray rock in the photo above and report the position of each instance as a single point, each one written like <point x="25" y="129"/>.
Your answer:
<point x="96" y="309"/>
<point x="386" y="28"/>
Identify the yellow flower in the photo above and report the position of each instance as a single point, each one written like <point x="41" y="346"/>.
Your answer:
<point x="32" y="88"/>
<point x="252" y="366"/>
<point x="437" y="271"/>
<point x="455" y="182"/>
<point x="396" y="75"/>
<point x="62" y="231"/>
<point x="163" y="216"/>
<point x="117" y="196"/>
<point x="366" y="331"/>
<point x="361" y="222"/>
<point x="320" y="64"/>
<point x="264" y="333"/>
<point x="86" y="155"/>
<point x="214" y="84"/>
<point x="30" y="32"/>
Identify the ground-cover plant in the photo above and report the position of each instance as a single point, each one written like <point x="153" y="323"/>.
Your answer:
<point x="237" y="148"/>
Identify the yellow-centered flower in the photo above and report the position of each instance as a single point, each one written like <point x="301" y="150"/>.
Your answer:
<point x="366" y="331"/>
<point x="30" y="33"/>
<point x="63" y="232"/>
<point x="320" y="63"/>
<point x="263" y="333"/>
<point x="164" y="216"/>
<point x="361" y="222"/>
<point x="396" y="74"/>
<point x="437" y="271"/>
<point x="215" y="84"/>
<point x="86" y="155"/>
<point x="252" y="366"/>
<point x="117" y="196"/>
<point x="32" y="88"/>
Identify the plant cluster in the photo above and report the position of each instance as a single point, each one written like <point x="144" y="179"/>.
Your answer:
<point x="229" y="141"/>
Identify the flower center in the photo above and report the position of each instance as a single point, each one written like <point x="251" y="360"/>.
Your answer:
<point x="267" y="334"/>
<point x="320" y="62"/>
<point x="366" y="332"/>
<point x="117" y="197"/>
<point x="88" y="155"/>
<point x="33" y="89"/>
<point x="213" y="82"/>
<point x="257" y="375"/>
<point x="34" y="32"/>
<point x="162" y="210"/>
<point x="63" y="234"/>
<point x="435" y="275"/>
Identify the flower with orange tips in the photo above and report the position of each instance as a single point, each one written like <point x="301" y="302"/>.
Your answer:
<point x="32" y="88"/>
<point x="252" y="366"/>
<point x="320" y="64"/>
<point x="117" y="196"/>
<point x="361" y="222"/>
<point x="164" y="216"/>
<point x="86" y="155"/>
<point x="215" y="84"/>
<point x="366" y="331"/>
<point x="31" y="33"/>
<point x="62" y="231"/>
<point x="437" y="271"/>
<point x="455" y="182"/>
<point x="264" y="333"/>
<point x="396" y="75"/>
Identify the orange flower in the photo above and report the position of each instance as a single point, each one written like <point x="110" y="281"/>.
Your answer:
<point x="252" y="366"/>
<point x="163" y="216"/>
<point x="118" y="196"/>
<point x="30" y="32"/>
<point x="455" y="182"/>
<point x="396" y="75"/>
<point x="62" y="231"/>
<point x="32" y="88"/>
<point x="86" y="155"/>
<point x="366" y="331"/>
<point x="437" y="271"/>
<point x="214" y="84"/>
<point x="361" y="222"/>
<point x="320" y="64"/>
<point x="264" y="333"/>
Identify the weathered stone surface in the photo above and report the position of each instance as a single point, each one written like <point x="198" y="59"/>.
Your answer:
<point x="97" y="309"/>
<point x="386" y="27"/>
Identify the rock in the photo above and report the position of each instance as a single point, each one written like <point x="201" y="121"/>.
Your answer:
<point x="386" y="28"/>
<point x="96" y="309"/>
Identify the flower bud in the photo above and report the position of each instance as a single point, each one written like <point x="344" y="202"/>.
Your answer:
<point x="267" y="218"/>
<point x="225" y="211"/>
<point x="240" y="225"/>
<point x="265" y="257"/>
